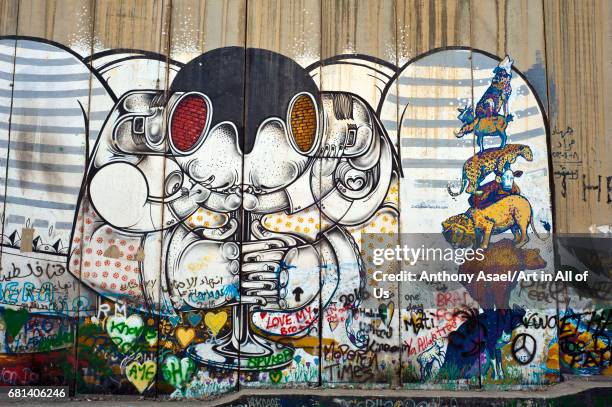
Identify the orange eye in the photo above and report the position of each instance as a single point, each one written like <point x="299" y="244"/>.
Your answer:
<point x="303" y="120"/>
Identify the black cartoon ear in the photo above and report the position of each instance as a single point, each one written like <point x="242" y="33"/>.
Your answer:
<point x="343" y="106"/>
<point x="57" y="245"/>
<point x="517" y="174"/>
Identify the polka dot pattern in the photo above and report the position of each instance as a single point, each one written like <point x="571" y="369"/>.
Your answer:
<point x="104" y="257"/>
<point x="207" y="219"/>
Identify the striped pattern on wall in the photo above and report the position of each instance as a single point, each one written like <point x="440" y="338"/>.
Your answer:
<point x="426" y="95"/>
<point x="43" y="135"/>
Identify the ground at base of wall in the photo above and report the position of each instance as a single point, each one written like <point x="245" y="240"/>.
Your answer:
<point x="573" y="391"/>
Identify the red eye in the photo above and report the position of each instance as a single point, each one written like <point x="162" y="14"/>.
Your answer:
<point x="188" y="122"/>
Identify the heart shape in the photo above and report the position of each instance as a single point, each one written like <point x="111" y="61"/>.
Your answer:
<point x="382" y="312"/>
<point x="215" y="321"/>
<point x="141" y="375"/>
<point x="174" y="320"/>
<point x="124" y="331"/>
<point x="177" y="371"/>
<point x="333" y="325"/>
<point x="276" y="376"/>
<point x="194" y="319"/>
<point x="151" y="336"/>
<point x="390" y="311"/>
<point x="185" y="336"/>
<point x="355" y="183"/>
<point x="15" y="320"/>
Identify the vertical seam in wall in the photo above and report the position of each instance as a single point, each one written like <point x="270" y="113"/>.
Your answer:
<point x="553" y="197"/>
<point x="471" y="58"/>
<point x="321" y="313"/>
<point x="168" y="24"/>
<point x="506" y="8"/>
<point x="79" y="207"/>
<point x="399" y="223"/>
<point x="8" y="142"/>
<point x="241" y="210"/>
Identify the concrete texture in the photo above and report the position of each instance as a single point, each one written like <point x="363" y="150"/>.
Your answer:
<point x="574" y="391"/>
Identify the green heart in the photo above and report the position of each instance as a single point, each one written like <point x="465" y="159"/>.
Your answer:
<point x="177" y="371"/>
<point x="124" y="331"/>
<point x="276" y="376"/>
<point x="382" y="310"/>
<point x="15" y="320"/>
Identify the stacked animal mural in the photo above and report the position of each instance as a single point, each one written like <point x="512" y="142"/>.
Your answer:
<point x="495" y="207"/>
<point x="187" y="240"/>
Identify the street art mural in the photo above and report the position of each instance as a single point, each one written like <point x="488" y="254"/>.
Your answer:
<point x="183" y="229"/>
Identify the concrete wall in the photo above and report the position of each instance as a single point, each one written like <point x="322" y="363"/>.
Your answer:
<point x="170" y="226"/>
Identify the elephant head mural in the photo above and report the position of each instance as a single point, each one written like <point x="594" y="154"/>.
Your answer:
<point x="240" y="148"/>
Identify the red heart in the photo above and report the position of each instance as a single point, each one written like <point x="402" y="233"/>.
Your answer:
<point x="262" y="315"/>
<point x="188" y="122"/>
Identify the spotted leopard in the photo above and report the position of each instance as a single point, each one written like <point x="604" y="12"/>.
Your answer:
<point x="490" y="160"/>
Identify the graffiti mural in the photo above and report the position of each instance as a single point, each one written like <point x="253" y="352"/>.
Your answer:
<point x="201" y="225"/>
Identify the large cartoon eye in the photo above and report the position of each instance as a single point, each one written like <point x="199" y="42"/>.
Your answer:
<point x="303" y="122"/>
<point x="189" y="120"/>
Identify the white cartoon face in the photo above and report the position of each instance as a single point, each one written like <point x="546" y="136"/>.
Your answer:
<point x="317" y="151"/>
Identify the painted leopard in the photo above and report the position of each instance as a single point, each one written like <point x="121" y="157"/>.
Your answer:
<point x="490" y="160"/>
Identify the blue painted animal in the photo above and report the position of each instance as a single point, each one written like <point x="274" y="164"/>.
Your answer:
<point x="487" y="120"/>
<point x="478" y="336"/>
<point x="493" y="126"/>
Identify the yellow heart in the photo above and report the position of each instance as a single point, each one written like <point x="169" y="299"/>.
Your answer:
<point x="390" y="311"/>
<point x="215" y="321"/>
<point x="185" y="336"/>
<point x="141" y="375"/>
<point x="333" y="325"/>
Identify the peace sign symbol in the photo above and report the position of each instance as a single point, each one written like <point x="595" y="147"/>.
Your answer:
<point x="523" y="348"/>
